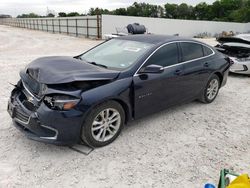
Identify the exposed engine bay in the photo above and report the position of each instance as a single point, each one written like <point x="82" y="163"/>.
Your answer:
<point x="238" y="50"/>
<point x="237" y="46"/>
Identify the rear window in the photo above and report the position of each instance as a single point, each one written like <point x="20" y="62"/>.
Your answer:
<point x="191" y="51"/>
<point x="207" y="51"/>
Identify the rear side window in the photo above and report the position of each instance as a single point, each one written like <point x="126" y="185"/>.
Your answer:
<point x="207" y="51"/>
<point x="165" y="56"/>
<point x="191" y="51"/>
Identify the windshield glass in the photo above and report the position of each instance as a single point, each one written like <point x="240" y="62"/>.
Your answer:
<point x="117" y="54"/>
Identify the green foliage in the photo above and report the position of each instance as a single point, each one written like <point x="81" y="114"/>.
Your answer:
<point x="201" y="11"/>
<point x="220" y="10"/>
<point x="71" y="14"/>
<point x="171" y="10"/>
<point x="137" y="9"/>
<point x="98" y="11"/>
<point x="62" y="14"/>
<point x="30" y="15"/>
<point x="184" y="11"/>
<point x="143" y="9"/>
<point x="120" y="11"/>
<point x="50" y="15"/>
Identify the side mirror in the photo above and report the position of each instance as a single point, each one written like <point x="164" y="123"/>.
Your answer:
<point x="152" y="69"/>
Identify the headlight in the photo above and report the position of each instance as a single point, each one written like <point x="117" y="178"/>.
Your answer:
<point x="61" y="102"/>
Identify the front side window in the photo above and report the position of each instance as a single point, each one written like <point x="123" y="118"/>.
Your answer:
<point x="116" y="53"/>
<point x="165" y="56"/>
<point x="191" y="51"/>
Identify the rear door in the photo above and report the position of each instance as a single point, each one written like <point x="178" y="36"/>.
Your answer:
<point x="196" y="62"/>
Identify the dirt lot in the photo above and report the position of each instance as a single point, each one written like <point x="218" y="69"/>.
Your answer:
<point x="185" y="146"/>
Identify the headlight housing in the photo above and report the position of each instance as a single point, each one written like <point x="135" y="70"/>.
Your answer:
<point x="243" y="59"/>
<point x="61" y="102"/>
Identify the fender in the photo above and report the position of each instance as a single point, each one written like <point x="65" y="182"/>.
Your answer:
<point x="118" y="90"/>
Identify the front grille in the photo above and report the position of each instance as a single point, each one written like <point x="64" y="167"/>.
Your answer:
<point x="29" y="105"/>
<point x="21" y="116"/>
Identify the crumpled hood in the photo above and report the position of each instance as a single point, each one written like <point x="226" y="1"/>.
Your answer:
<point x="235" y="39"/>
<point x="62" y="69"/>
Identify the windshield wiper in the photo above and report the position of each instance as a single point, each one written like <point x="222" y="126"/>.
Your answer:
<point x="97" y="64"/>
<point x="93" y="63"/>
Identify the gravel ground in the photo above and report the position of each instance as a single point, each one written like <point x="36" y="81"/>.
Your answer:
<point x="185" y="146"/>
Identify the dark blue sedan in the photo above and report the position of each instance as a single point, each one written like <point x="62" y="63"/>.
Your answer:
<point x="89" y="98"/>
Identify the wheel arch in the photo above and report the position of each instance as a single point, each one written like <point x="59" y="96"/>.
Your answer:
<point x="125" y="107"/>
<point x="220" y="77"/>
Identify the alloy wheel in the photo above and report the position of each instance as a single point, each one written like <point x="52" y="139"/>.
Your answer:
<point x="106" y="124"/>
<point x="212" y="89"/>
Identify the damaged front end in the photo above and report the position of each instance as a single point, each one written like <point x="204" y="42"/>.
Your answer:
<point x="238" y="50"/>
<point x="49" y="112"/>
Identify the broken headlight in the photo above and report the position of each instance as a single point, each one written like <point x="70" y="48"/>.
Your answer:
<point x="243" y="59"/>
<point x="61" y="102"/>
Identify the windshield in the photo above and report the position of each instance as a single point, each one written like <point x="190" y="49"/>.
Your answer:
<point x="117" y="54"/>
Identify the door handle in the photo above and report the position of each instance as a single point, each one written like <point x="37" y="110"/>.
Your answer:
<point x="178" y="72"/>
<point x="206" y="64"/>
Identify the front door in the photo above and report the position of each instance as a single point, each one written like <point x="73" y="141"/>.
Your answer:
<point x="156" y="91"/>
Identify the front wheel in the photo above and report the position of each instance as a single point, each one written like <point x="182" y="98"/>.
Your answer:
<point x="211" y="90"/>
<point x="103" y="124"/>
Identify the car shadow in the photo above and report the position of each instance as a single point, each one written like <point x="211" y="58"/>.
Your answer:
<point x="143" y="122"/>
<point x="140" y="123"/>
<point x="239" y="75"/>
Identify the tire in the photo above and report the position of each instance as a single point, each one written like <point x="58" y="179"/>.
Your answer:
<point x="211" y="90"/>
<point x="99" y="124"/>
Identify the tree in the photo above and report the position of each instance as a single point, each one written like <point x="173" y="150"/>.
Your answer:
<point x="171" y="10"/>
<point x="184" y="11"/>
<point x="30" y="15"/>
<point x="143" y="9"/>
<point x="133" y="10"/>
<point x="120" y="11"/>
<point x="62" y="14"/>
<point x="72" y="14"/>
<point x="201" y="11"/>
<point x="98" y="11"/>
<point x="240" y="15"/>
<point x="220" y="10"/>
<point x="225" y="10"/>
<point x="50" y="15"/>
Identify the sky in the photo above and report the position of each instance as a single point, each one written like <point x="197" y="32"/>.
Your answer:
<point x="16" y="7"/>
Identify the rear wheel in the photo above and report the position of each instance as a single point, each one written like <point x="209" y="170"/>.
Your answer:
<point x="103" y="124"/>
<point x="211" y="90"/>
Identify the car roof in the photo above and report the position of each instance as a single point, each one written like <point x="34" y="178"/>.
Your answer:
<point x="153" y="39"/>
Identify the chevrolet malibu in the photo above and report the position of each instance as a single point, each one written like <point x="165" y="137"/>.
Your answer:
<point x="89" y="98"/>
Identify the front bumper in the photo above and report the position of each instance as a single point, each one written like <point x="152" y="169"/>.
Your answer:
<point x="240" y="67"/>
<point x="44" y="124"/>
